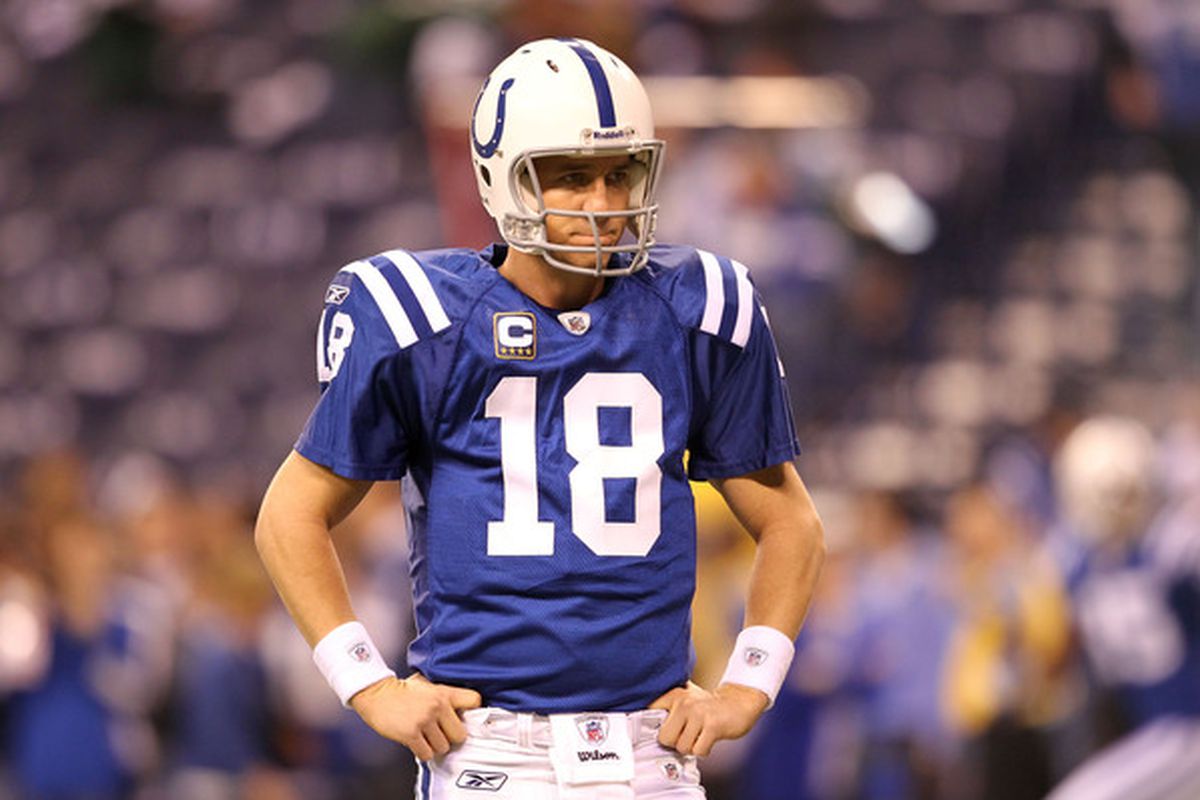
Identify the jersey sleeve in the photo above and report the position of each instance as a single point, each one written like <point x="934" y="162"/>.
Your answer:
<point x="359" y="425"/>
<point x="744" y="420"/>
<point x="1173" y="541"/>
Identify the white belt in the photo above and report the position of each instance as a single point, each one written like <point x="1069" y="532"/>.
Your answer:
<point x="534" y="730"/>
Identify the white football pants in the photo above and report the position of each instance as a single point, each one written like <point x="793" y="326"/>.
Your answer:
<point x="568" y="757"/>
<point x="1159" y="761"/>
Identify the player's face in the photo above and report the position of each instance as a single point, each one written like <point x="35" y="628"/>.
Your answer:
<point x="573" y="183"/>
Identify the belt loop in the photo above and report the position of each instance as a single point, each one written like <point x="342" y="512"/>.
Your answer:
<point x="525" y="730"/>
<point x="649" y="723"/>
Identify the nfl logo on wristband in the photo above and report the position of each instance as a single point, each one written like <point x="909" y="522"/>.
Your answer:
<point x="761" y="658"/>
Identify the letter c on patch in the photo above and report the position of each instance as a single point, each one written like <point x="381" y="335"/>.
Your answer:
<point x="515" y="331"/>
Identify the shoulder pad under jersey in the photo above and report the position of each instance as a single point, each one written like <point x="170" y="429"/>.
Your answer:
<point x="414" y="295"/>
<point x="711" y="293"/>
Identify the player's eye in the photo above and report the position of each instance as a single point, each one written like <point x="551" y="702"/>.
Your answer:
<point x="574" y="179"/>
<point x="618" y="177"/>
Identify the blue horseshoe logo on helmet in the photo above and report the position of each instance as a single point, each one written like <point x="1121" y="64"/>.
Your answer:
<point x="486" y="150"/>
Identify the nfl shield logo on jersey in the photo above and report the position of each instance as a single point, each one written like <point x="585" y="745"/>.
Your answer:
<point x="577" y="322"/>
<point x="593" y="729"/>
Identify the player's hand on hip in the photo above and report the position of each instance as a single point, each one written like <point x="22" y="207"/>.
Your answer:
<point x="420" y="715"/>
<point x="697" y="718"/>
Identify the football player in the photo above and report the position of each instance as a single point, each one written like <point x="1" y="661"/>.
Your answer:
<point x="537" y="399"/>
<point x="1133" y="567"/>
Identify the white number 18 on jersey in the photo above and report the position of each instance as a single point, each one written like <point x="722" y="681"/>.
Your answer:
<point x="520" y="532"/>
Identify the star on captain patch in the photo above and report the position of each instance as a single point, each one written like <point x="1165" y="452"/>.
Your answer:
<point x="577" y="322"/>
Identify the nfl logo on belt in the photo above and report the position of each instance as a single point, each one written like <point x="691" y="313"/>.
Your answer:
<point x="594" y="730"/>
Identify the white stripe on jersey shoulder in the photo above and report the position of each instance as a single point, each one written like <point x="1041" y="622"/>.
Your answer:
<point x="715" y="304"/>
<point x="385" y="299"/>
<point x="745" y="304"/>
<point x="418" y="281"/>
<point x="714" y="293"/>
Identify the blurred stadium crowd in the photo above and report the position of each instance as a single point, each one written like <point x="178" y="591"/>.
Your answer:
<point x="974" y="226"/>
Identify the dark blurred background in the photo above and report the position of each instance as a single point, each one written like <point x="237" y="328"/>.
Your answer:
<point x="973" y="223"/>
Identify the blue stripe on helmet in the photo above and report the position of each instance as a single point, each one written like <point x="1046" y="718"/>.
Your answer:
<point x="604" y="100"/>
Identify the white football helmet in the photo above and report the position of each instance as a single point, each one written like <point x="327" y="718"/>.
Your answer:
<point x="1105" y="476"/>
<point x="563" y="97"/>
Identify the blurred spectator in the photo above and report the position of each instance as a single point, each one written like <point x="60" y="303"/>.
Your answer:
<point x="102" y="676"/>
<point x="907" y="588"/>
<point x="861" y="715"/>
<point x="1003" y="671"/>
<point x="221" y="728"/>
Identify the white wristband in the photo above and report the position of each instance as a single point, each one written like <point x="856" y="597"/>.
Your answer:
<point x="350" y="661"/>
<point x="761" y="658"/>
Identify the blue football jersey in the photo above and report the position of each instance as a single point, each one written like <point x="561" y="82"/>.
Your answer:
<point x="1139" y="615"/>
<point x="542" y="455"/>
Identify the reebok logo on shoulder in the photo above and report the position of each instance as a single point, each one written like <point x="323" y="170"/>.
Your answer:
<point x="336" y="294"/>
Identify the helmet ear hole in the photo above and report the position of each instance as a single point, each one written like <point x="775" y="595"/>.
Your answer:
<point x="486" y="174"/>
